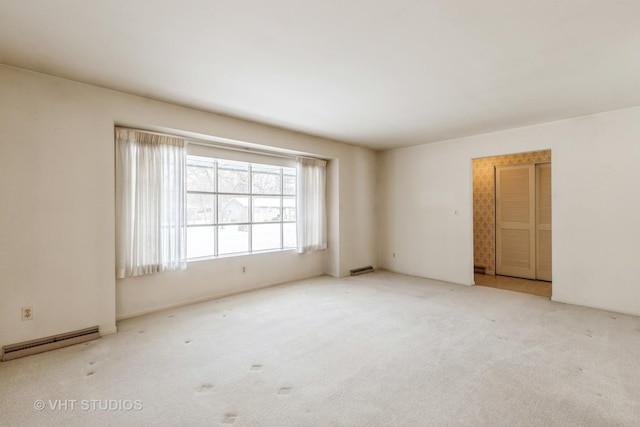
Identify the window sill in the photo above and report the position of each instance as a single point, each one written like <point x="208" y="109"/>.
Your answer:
<point x="239" y="254"/>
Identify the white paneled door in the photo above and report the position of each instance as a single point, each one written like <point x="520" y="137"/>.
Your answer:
<point x="543" y="221"/>
<point x="523" y="221"/>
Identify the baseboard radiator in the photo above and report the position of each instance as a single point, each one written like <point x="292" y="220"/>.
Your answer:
<point x="27" y="348"/>
<point x="363" y="270"/>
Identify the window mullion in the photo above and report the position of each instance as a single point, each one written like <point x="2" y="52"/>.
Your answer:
<point x="250" y="208"/>
<point x="281" y="208"/>
<point x="216" y="220"/>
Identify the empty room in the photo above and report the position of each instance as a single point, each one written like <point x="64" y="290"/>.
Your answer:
<point x="284" y="213"/>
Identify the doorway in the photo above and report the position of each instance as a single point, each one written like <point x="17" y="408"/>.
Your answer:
<point x="512" y="226"/>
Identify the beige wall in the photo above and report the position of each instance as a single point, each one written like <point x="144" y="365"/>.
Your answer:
<point x="484" y="213"/>
<point x="426" y="206"/>
<point x="57" y="208"/>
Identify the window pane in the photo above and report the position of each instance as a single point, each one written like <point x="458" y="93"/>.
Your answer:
<point x="265" y="236"/>
<point x="233" y="209"/>
<point x="266" y="209"/>
<point x="289" y="235"/>
<point x="233" y="177"/>
<point x="233" y="239"/>
<point x="200" y="242"/>
<point x="288" y="208"/>
<point x="200" y="174"/>
<point x="201" y="209"/>
<point x="266" y="180"/>
<point x="289" y="181"/>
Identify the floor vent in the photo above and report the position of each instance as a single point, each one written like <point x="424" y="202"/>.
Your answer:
<point x="480" y="270"/>
<point x="28" y="348"/>
<point x="363" y="270"/>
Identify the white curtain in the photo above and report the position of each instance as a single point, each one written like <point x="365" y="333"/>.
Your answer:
<point x="150" y="203"/>
<point x="312" y="205"/>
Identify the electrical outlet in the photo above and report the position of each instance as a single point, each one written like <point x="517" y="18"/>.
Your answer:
<point x="27" y="313"/>
<point x="244" y="269"/>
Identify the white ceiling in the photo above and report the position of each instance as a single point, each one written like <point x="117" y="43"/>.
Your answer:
<point x="376" y="73"/>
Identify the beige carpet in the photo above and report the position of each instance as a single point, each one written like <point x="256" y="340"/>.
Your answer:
<point x="375" y="350"/>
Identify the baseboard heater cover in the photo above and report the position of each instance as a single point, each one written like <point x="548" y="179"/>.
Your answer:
<point x="363" y="270"/>
<point x="27" y="348"/>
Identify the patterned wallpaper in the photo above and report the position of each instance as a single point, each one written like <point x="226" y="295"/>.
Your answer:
<point x="484" y="203"/>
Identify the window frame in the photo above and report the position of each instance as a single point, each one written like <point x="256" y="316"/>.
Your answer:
<point x="250" y="194"/>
